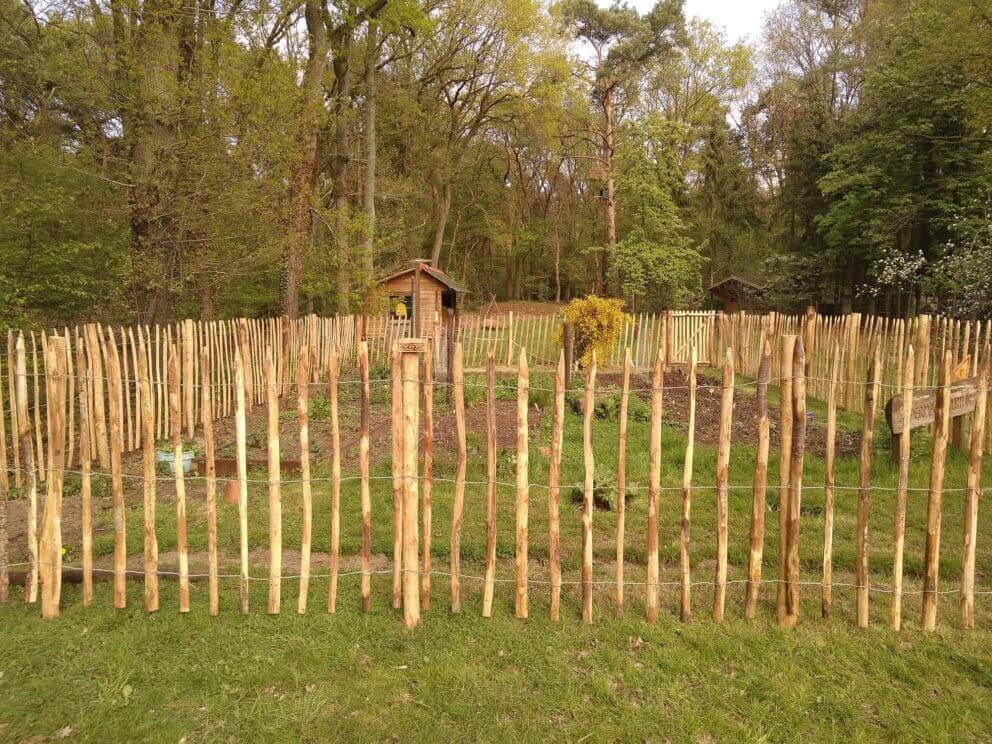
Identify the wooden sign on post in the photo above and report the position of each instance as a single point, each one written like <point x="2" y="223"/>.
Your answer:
<point x="963" y="395"/>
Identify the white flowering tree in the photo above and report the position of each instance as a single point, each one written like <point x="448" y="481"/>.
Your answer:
<point x="963" y="277"/>
<point x="895" y="272"/>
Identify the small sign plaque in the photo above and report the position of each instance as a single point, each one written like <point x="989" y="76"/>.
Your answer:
<point x="412" y="345"/>
<point x="963" y="394"/>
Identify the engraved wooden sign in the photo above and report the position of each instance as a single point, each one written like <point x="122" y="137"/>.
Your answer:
<point x="412" y="345"/>
<point x="963" y="395"/>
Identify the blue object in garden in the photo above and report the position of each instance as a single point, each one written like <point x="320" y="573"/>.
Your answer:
<point x="170" y="458"/>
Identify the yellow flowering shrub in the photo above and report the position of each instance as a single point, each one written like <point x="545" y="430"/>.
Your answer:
<point x="597" y="323"/>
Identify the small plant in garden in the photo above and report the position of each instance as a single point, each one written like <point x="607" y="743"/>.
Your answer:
<point x="72" y="485"/>
<point x="506" y="464"/>
<point x="475" y="391"/>
<point x="604" y="491"/>
<point x="379" y="371"/>
<point x="540" y="394"/>
<point x="609" y="408"/>
<point x="319" y="408"/>
<point x="506" y="389"/>
<point x="380" y="384"/>
<point x="596" y="324"/>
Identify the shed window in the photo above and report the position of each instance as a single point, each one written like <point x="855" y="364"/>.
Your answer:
<point x="401" y="306"/>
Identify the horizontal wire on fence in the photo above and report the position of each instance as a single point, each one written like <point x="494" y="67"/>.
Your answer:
<point x="137" y="573"/>
<point x="134" y="384"/>
<point x="506" y="484"/>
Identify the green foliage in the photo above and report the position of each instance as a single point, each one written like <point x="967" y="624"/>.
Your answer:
<point x="608" y="408"/>
<point x="319" y="408"/>
<point x="100" y="488"/>
<point x="656" y="259"/>
<point x="506" y="388"/>
<point x="604" y="493"/>
<point x="596" y="325"/>
<point x="854" y="139"/>
<point x="475" y="391"/>
<point x="540" y="394"/>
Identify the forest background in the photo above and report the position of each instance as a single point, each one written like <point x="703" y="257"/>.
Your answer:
<point x="217" y="158"/>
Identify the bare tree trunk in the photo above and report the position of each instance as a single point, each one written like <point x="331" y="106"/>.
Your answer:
<point x="368" y="198"/>
<point x="557" y="244"/>
<point x="442" y="202"/>
<point x="151" y="131"/>
<point x="303" y="174"/>
<point x="208" y="310"/>
<point x="611" y="203"/>
<point x="339" y="168"/>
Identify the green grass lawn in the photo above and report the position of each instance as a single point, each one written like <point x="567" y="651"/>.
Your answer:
<point x="106" y="675"/>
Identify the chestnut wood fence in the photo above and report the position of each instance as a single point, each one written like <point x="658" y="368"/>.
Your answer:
<point x="88" y="396"/>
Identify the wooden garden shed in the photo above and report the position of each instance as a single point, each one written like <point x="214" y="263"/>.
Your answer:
<point x="423" y="295"/>
<point x="737" y="293"/>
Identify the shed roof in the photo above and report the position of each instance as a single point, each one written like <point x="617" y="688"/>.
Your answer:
<point x="736" y="288"/>
<point x="436" y="274"/>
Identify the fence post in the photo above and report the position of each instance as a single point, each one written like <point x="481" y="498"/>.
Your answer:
<point x="921" y="369"/>
<point x="15" y="428"/>
<point x="30" y="481"/>
<point x="795" y="482"/>
<point x="523" y="488"/>
<point x="241" y="403"/>
<point x="333" y="372"/>
<point x="588" y="487"/>
<point x="396" y="406"/>
<point x="809" y="333"/>
<point x="303" y="356"/>
<point x="722" y="466"/>
<point x="450" y="340"/>
<point x="489" y="582"/>
<point x="180" y="481"/>
<point x="509" y="338"/>
<point x="271" y="383"/>
<point x="971" y="499"/>
<point x="899" y="529"/>
<point x="759" y="485"/>
<point x="187" y="349"/>
<point x="39" y="436"/>
<point x="685" y="568"/>
<point x="864" y="490"/>
<point x="100" y="418"/>
<point x="669" y="338"/>
<point x="622" y="478"/>
<point x="410" y="353"/>
<point x="85" y="493"/>
<point x="853" y="331"/>
<point x="554" y="474"/>
<point x="568" y="343"/>
<point x="457" y="374"/>
<point x="428" y="422"/>
<point x="931" y="569"/>
<point x="207" y="362"/>
<point x="654" y="485"/>
<point x="50" y="546"/>
<point x="117" y="487"/>
<point x="828" y="486"/>
<point x="788" y="345"/>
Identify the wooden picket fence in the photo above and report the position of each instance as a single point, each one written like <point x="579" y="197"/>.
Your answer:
<point x="194" y="341"/>
<point x="107" y="392"/>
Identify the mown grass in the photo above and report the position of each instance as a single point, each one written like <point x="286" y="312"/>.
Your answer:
<point x="111" y="675"/>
